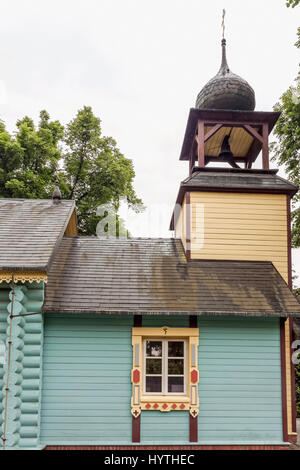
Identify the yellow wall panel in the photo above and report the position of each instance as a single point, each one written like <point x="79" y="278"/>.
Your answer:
<point x="240" y="226"/>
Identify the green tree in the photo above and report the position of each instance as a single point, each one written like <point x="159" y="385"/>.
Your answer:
<point x="292" y="3"/>
<point x="93" y="170"/>
<point x="96" y="172"/>
<point x="286" y="149"/>
<point x="28" y="160"/>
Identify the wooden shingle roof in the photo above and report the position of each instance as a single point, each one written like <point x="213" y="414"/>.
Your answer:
<point x="152" y="276"/>
<point x="238" y="179"/>
<point x="30" y="232"/>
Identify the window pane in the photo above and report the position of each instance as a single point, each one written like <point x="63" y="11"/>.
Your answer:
<point x="175" y="385"/>
<point x="153" y="366"/>
<point x="175" y="349"/>
<point x="153" y="348"/>
<point x="153" y="384"/>
<point x="175" y="366"/>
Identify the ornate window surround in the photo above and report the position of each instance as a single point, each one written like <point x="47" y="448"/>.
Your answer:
<point x="169" y="402"/>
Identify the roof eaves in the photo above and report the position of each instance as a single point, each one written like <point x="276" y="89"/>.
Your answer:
<point x="176" y="312"/>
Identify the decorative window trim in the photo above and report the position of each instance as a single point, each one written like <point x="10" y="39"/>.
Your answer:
<point x="23" y="276"/>
<point x="170" y="402"/>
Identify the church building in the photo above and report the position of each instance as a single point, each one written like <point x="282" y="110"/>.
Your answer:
<point x="172" y="343"/>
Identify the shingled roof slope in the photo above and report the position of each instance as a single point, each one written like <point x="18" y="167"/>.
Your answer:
<point x="30" y="232"/>
<point x="233" y="178"/>
<point x="152" y="276"/>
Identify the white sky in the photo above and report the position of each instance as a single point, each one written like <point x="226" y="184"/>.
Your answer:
<point x="140" y="65"/>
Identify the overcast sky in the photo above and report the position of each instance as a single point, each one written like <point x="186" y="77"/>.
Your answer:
<point x="140" y="65"/>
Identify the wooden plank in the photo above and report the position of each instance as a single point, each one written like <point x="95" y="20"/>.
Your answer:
<point x="265" y="147"/>
<point x="200" y="147"/>
<point x="212" y="132"/>
<point x="253" y="132"/>
<point x="283" y="379"/>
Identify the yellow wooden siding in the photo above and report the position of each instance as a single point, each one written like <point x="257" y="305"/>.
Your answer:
<point x="71" y="229"/>
<point x="240" y="226"/>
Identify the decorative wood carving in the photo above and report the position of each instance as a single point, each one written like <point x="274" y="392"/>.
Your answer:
<point x="165" y="403"/>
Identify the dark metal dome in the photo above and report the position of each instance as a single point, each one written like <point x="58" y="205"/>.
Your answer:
<point x="226" y="90"/>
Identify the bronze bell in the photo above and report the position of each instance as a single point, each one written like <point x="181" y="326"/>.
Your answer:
<point x="226" y="154"/>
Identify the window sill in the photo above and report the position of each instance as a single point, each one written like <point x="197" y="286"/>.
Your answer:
<point x="165" y="398"/>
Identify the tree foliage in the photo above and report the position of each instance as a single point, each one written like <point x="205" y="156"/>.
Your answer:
<point x="29" y="158"/>
<point x="93" y="170"/>
<point x="286" y="149"/>
<point x="96" y="171"/>
<point x="292" y="3"/>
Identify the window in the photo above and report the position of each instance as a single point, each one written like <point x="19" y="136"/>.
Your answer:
<point x="165" y="373"/>
<point x="164" y="367"/>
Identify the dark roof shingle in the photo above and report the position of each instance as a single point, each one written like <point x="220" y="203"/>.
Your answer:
<point x="232" y="178"/>
<point x="30" y="232"/>
<point x="152" y="276"/>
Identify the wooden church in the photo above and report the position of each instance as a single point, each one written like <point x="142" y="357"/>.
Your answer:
<point x="158" y="343"/>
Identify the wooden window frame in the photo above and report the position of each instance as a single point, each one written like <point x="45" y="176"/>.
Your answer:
<point x="165" y="375"/>
<point x="184" y="401"/>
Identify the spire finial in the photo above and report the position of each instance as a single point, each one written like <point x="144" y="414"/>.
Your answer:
<point x="224" y="66"/>
<point x="223" y="23"/>
<point x="56" y="196"/>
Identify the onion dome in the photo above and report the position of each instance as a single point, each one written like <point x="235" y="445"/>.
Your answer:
<point x="226" y="90"/>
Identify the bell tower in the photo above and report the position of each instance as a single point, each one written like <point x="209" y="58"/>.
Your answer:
<point x="226" y="209"/>
<point x="232" y="206"/>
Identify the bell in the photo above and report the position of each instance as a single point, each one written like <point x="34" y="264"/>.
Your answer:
<point x="226" y="154"/>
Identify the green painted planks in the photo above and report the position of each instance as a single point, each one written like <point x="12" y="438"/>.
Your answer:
<point x="87" y="389"/>
<point x="87" y="365"/>
<point x="240" y="380"/>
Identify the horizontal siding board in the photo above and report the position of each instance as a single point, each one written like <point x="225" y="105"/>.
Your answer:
<point x="87" y="363"/>
<point x="87" y="390"/>
<point x="163" y="428"/>
<point x="249" y="227"/>
<point x="240" y="380"/>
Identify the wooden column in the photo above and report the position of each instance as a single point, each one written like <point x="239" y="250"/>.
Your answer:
<point x="200" y="147"/>
<point x="193" y="323"/>
<point x="136" y="422"/>
<point x="264" y="141"/>
<point x="265" y="146"/>
<point x="283" y="380"/>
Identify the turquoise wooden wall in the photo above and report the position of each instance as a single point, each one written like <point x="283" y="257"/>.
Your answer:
<point x="240" y="380"/>
<point x="24" y="386"/>
<point x="86" y="379"/>
<point x="86" y="382"/>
